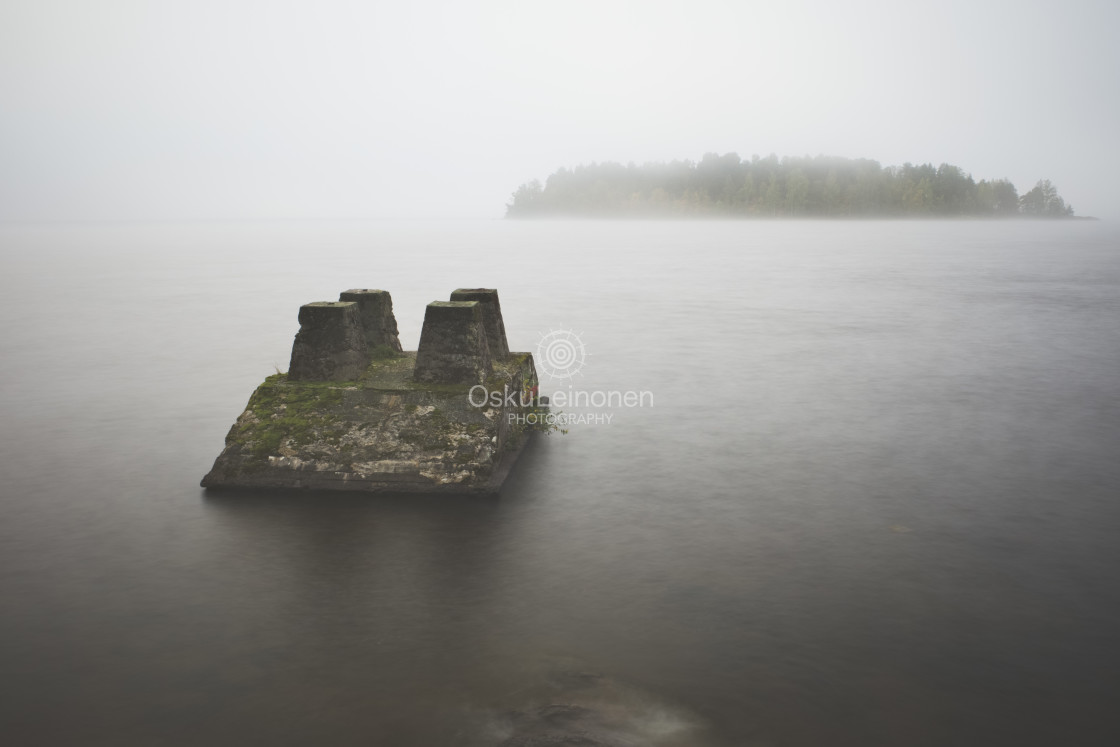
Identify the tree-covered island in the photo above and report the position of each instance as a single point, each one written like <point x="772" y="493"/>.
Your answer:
<point x="807" y="187"/>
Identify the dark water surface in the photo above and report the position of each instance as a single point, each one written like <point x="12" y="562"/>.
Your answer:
<point x="876" y="501"/>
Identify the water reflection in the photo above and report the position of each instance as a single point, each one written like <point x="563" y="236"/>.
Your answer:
<point x="426" y="610"/>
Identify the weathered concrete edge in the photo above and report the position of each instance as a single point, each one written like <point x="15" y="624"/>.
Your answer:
<point x="334" y="482"/>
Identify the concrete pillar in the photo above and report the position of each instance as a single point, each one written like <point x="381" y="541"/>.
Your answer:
<point x="330" y="344"/>
<point x="378" y="322"/>
<point x="491" y="317"/>
<point x="453" y="347"/>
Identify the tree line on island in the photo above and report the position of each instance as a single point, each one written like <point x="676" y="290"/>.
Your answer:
<point x="807" y="187"/>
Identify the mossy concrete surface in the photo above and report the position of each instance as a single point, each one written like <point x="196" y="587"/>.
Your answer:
<point x="382" y="432"/>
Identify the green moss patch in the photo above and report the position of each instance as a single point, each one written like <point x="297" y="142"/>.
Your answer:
<point x="297" y="413"/>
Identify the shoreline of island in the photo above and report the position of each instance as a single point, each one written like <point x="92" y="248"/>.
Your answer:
<point x="820" y="187"/>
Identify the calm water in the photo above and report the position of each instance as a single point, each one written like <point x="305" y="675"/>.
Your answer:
<point x="875" y="501"/>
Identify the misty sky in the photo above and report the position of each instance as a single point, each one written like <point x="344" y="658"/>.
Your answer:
<point x="238" y="109"/>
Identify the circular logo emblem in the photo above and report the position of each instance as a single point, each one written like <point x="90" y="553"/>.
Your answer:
<point x="561" y="354"/>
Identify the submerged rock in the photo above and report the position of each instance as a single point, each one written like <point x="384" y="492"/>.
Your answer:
<point x="357" y="413"/>
<point x="565" y="705"/>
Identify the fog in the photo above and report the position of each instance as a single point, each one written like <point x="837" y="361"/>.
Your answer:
<point x="132" y="110"/>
